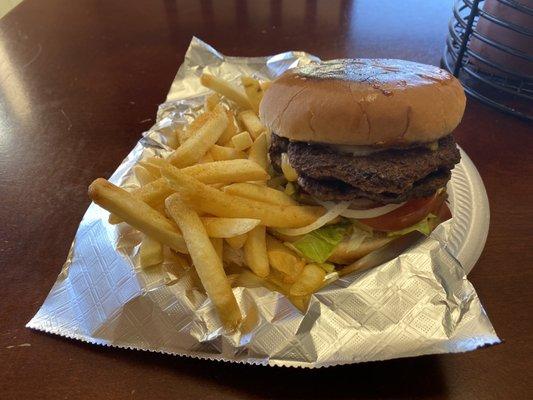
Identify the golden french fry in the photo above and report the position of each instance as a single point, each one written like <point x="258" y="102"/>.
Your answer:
<point x="150" y="252"/>
<point x="197" y="123"/>
<point x="231" y="130"/>
<point x="255" y="252"/>
<point x="221" y="204"/>
<point x="136" y="213"/>
<point x="218" y="172"/>
<point x="207" y="158"/>
<point x="258" y="151"/>
<point x="221" y="153"/>
<point x="230" y="171"/>
<point x="346" y="254"/>
<point x="288" y="171"/>
<point x="309" y="281"/>
<point x="278" y="278"/>
<point x="153" y="193"/>
<point x="283" y="259"/>
<point x="237" y="242"/>
<point x="226" y="171"/>
<point x="143" y="175"/>
<point x="193" y="127"/>
<point x="150" y="166"/>
<point x="260" y="193"/>
<point x="242" y="141"/>
<point x="265" y="85"/>
<point x="197" y="145"/>
<point x="206" y="261"/>
<point x="218" y="245"/>
<point x="252" y="123"/>
<point x="253" y="90"/>
<point x="228" y="227"/>
<point x="183" y="135"/>
<point x="300" y="302"/>
<point x="233" y="257"/>
<point x="226" y="89"/>
<point x="211" y="101"/>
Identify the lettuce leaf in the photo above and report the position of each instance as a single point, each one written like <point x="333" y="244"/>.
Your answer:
<point x="318" y="245"/>
<point x="425" y="226"/>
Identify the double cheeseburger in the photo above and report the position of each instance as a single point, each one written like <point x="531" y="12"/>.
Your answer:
<point x="374" y="135"/>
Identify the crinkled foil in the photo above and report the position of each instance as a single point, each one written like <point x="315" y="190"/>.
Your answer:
<point x="419" y="303"/>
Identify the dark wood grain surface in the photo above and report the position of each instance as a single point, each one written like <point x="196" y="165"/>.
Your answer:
<point x="80" y="80"/>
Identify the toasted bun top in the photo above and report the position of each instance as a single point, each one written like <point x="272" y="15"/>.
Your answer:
<point x="364" y="102"/>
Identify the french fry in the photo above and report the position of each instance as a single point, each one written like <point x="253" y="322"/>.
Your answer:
<point x="260" y="193"/>
<point x="183" y="135"/>
<point x="217" y="172"/>
<point x="278" y="278"/>
<point x="265" y="85"/>
<point x="288" y="171"/>
<point x="150" y="252"/>
<point x="231" y="130"/>
<point x="143" y="175"/>
<point x="255" y="251"/>
<point x="207" y="158"/>
<point x="258" y="151"/>
<point x="151" y="166"/>
<point x="253" y="91"/>
<point x="309" y="281"/>
<point x="228" y="227"/>
<point x="197" y="145"/>
<point x="300" y="302"/>
<point x="211" y="101"/>
<point x="206" y="261"/>
<point x="218" y="245"/>
<point x="242" y="141"/>
<point x="233" y="257"/>
<point x="170" y="138"/>
<point x="221" y="153"/>
<point x="136" y="213"/>
<point x="221" y="204"/>
<point x="226" y="89"/>
<point x="197" y="123"/>
<point x="227" y="171"/>
<point x="283" y="259"/>
<point x="252" y="123"/>
<point x="237" y="242"/>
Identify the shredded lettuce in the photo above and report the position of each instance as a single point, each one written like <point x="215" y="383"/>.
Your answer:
<point x="423" y="226"/>
<point x="318" y="245"/>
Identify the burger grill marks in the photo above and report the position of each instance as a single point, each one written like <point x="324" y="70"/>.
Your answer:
<point x="392" y="175"/>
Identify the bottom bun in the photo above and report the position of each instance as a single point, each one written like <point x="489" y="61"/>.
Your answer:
<point x="344" y="255"/>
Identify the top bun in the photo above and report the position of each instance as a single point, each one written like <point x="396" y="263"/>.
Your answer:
<point x="364" y="102"/>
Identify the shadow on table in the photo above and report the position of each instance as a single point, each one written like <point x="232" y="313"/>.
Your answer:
<point x="402" y="378"/>
<point x="387" y="379"/>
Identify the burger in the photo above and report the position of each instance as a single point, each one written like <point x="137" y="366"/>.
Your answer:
<point x="370" y="140"/>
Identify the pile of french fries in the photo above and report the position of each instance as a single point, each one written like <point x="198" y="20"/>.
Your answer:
<point x="213" y="201"/>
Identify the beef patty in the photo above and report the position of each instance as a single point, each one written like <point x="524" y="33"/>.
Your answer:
<point x="387" y="176"/>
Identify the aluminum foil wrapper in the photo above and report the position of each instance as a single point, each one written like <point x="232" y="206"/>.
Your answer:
<point x="419" y="303"/>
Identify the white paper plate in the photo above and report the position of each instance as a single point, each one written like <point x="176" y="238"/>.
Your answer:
<point x="471" y="214"/>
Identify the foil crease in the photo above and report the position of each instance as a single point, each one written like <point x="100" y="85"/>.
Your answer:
<point x="419" y="303"/>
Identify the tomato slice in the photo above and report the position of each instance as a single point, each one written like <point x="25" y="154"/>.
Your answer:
<point x="409" y="214"/>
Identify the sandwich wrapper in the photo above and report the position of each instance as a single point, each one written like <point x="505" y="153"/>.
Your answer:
<point x="419" y="303"/>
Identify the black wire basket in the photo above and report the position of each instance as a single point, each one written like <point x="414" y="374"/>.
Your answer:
<point x="492" y="82"/>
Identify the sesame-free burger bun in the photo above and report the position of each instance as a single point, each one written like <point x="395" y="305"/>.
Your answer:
<point x="364" y="102"/>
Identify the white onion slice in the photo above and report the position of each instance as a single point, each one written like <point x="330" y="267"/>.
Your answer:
<point x="372" y="212"/>
<point x="332" y="213"/>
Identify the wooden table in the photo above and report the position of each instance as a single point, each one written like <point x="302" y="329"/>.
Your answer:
<point x="80" y="80"/>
